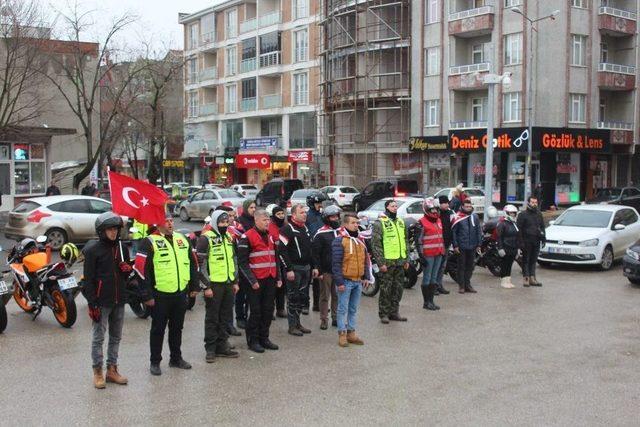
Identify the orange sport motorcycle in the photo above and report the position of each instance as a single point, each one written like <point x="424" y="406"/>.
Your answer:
<point x="38" y="282"/>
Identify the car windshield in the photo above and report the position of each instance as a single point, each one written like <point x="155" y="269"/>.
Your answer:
<point x="26" y="206"/>
<point x="584" y="218"/>
<point x="348" y="190"/>
<point x="248" y="187"/>
<point x="608" y="194"/>
<point x="474" y="192"/>
<point x="227" y="194"/>
<point x="379" y="205"/>
<point x="302" y="194"/>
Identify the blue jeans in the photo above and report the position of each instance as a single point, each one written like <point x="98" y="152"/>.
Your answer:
<point x="348" y="302"/>
<point x="430" y="269"/>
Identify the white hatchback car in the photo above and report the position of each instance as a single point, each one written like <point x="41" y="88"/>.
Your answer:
<point x="342" y="195"/>
<point x="249" y="191"/>
<point x="475" y="194"/>
<point x="590" y="234"/>
<point x="408" y="207"/>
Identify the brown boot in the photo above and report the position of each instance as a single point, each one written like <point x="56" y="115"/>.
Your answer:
<point x="113" y="376"/>
<point x="342" y="339"/>
<point x="352" y="338"/>
<point x="526" y="282"/>
<point x="98" y="378"/>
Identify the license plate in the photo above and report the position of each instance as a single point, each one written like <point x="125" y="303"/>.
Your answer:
<point x="4" y="289"/>
<point x="68" y="283"/>
<point x="559" y="250"/>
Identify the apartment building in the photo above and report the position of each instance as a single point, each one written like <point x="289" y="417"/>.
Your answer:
<point x="252" y="91"/>
<point x="572" y="95"/>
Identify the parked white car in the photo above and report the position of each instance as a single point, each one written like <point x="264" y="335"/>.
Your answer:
<point x="590" y="234"/>
<point x="342" y="195"/>
<point x="299" y="197"/>
<point x="249" y="191"/>
<point x="475" y="194"/>
<point x="408" y="207"/>
<point x="201" y="204"/>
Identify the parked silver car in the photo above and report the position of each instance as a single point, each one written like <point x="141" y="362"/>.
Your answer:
<point x="201" y="204"/>
<point x="61" y="218"/>
<point x="249" y="191"/>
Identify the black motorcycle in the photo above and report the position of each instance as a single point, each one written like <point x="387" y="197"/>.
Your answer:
<point x="133" y="295"/>
<point x="487" y="256"/>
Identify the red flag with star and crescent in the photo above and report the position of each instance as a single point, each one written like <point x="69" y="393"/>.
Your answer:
<point x="137" y="199"/>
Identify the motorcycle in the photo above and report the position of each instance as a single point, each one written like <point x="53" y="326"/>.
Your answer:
<point x="37" y="282"/>
<point x="415" y="266"/>
<point x="5" y="295"/>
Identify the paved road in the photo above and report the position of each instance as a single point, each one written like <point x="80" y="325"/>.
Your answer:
<point x="565" y="354"/>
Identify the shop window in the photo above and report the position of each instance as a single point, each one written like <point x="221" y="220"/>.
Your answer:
<point x="568" y="178"/>
<point x="30" y="168"/>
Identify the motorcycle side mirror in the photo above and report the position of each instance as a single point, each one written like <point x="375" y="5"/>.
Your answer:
<point x="133" y="230"/>
<point x="41" y="239"/>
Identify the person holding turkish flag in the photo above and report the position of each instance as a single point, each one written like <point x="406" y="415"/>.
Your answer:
<point x="137" y="199"/>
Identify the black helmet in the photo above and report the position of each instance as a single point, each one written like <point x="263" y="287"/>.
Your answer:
<point x="25" y="246"/>
<point x="315" y="197"/>
<point x="330" y="210"/>
<point x="108" y="220"/>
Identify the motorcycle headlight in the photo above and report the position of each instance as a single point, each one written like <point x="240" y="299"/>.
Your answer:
<point x="633" y="254"/>
<point x="590" y="242"/>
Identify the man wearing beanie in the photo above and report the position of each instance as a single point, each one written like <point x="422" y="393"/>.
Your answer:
<point x="445" y="218"/>
<point x="278" y="220"/>
<point x="242" y="302"/>
<point x="389" y="247"/>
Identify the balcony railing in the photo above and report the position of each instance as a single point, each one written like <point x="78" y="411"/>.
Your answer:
<point x="269" y="59"/>
<point x="470" y="12"/>
<point x="207" y="38"/>
<point x="208" y="74"/>
<point x="470" y="68"/>
<point x="208" y="109"/>
<point x="248" y="25"/>
<point x="615" y="125"/>
<point x="468" y="125"/>
<point x="272" y="101"/>
<point x="617" y="68"/>
<point x="248" y="104"/>
<point x="248" y="65"/>
<point x="270" y="19"/>
<point x="619" y="13"/>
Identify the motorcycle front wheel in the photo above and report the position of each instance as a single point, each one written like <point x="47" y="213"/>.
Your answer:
<point x="410" y="277"/>
<point x="64" y="307"/>
<point x="140" y="309"/>
<point x="21" y="299"/>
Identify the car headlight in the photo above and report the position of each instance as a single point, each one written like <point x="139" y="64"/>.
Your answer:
<point x="590" y="242"/>
<point x="633" y="254"/>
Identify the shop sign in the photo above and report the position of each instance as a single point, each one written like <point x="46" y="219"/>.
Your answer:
<point x="305" y="156"/>
<point x="220" y="160"/>
<point x="566" y="168"/>
<point x="428" y="143"/>
<point x="253" y="161"/>
<point x="173" y="163"/>
<point x="572" y="140"/>
<point x="504" y="139"/>
<point x="229" y="160"/>
<point x="406" y="164"/>
<point x="258" y="143"/>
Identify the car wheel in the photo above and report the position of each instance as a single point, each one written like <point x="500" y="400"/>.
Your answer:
<point x="56" y="237"/>
<point x="607" y="259"/>
<point x="183" y="215"/>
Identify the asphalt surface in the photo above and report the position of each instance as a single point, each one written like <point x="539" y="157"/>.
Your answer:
<point x="564" y="354"/>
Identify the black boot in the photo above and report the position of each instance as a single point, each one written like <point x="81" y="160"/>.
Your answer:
<point x="425" y="296"/>
<point x="433" y="304"/>
<point x="429" y="290"/>
<point x="442" y="290"/>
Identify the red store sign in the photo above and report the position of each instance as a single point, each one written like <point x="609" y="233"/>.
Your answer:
<point x="301" y="156"/>
<point x="253" y="161"/>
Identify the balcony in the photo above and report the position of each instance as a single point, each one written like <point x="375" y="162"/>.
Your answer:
<point x="248" y="25"/>
<point x="613" y="125"/>
<point x="208" y="74"/>
<point x="616" y="22"/>
<point x="270" y="19"/>
<point x="616" y="76"/>
<point x="248" y="65"/>
<point x="208" y="110"/>
<point x="471" y="22"/>
<point x="208" y="38"/>
<point x="467" y="77"/>
<point x="272" y="101"/>
<point x="269" y="59"/>
<point x="468" y="125"/>
<point x="248" y="104"/>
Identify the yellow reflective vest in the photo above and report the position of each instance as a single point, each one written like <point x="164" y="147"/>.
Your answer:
<point x="222" y="267"/>
<point x="394" y="240"/>
<point x="171" y="263"/>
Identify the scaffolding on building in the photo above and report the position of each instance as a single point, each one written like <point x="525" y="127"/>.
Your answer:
<point x="365" y="86"/>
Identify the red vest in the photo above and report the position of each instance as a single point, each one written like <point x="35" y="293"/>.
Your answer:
<point x="274" y="231"/>
<point x="432" y="240"/>
<point x="262" y="259"/>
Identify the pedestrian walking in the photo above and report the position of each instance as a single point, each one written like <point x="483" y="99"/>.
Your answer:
<point x="218" y="272"/>
<point x="104" y="272"/>
<point x="508" y="243"/>
<point x="53" y="190"/>
<point x="168" y="267"/>
<point x="259" y="266"/>
<point x="314" y="223"/>
<point x="532" y="236"/>
<point x="247" y="221"/>
<point x="350" y="272"/>
<point x="322" y="246"/>
<point x="467" y="238"/>
<point x="445" y="219"/>
<point x="389" y="247"/>
<point x="278" y="220"/>
<point x="430" y="246"/>
<point x="297" y="262"/>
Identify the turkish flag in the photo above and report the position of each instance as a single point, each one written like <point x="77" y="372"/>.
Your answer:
<point x="137" y="199"/>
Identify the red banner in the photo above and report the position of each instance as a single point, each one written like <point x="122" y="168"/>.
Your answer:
<point x="305" y="156"/>
<point x="253" y="161"/>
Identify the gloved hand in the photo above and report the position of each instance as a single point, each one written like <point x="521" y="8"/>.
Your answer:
<point x="501" y="253"/>
<point x="94" y="312"/>
<point x="125" y="268"/>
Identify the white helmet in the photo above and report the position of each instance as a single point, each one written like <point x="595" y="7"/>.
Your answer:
<point x="270" y="209"/>
<point x="428" y="204"/>
<point x="492" y="212"/>
<point x="510" y="209"/>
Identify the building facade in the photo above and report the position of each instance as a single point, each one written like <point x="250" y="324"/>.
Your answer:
<point x="572" y="96"/>
<point x="252" y="92"/>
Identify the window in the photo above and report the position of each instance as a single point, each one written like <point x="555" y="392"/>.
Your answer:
<point x="604" y="52"/>
<point x="208" y="23"/>
<point x="300" y="89"/>
<point x="629" y="217"/>
<point x="511" y="107"/>
<point x="578" y="49"/>
<point x="513" y="49"/>
<point x="270" y="42"/>
<point x="582" y="4"/>
<point x="99" y="207"/>
<point x="302" y="130"/>
<point x="249" y="88"/>
<point x="75" y="206"/>
<point x="432" y="66"/>
<point x="193" y="103"/>
<point x="577" y="108"/>
<point x="512" y="3"/>
<point x="192" y="73"/>
<point x="231" y="61"/>
<point x="300" y="45"/>
<point x="249" y="48"/>
<point x="431" y="113"/>
<point x="602" y="110"/>
<point x="231" y="24"/>
<point x="300" y="9"/>
<point x="208" y="195"/>
<point x="271" y="126"/>
<point x="230" y="98"/>
<point x="477" y="53"/>
<point x="193" y="36"/>
<point x="231" y="133"/>
<point x="198" y="196"/>
<point x="415" y="208"/>
<point x="478" y="108"/>
<point x="431" y="11"/>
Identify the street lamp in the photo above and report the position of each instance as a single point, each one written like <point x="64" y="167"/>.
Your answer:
<point x="527" y="167"/>
<point x="491" y="80"/>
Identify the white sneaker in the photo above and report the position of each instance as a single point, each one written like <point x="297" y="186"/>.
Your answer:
<point x="509" y="285"/>
<point x="503" y="282"/>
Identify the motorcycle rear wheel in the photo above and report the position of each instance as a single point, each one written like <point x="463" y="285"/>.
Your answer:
<point x="21" y="299"/>
<point x="410" y="278"/>
<point x="64" y="309"/>
<point x="3" y="317"/>
<point x="140" y="309"/>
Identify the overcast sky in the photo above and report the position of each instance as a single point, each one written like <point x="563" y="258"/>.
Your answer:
<point x="158" y="18"/>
